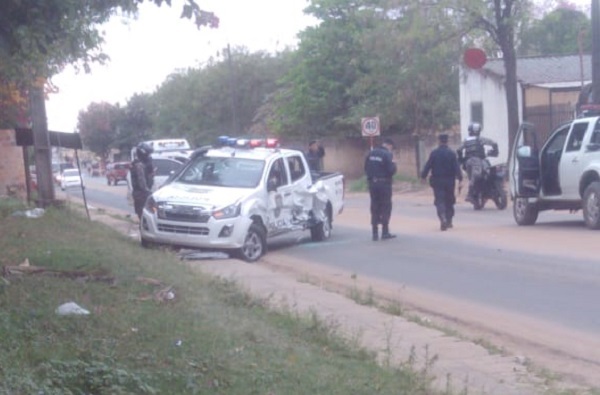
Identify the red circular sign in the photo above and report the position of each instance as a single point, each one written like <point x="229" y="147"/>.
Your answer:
<point x="475" y="58"/>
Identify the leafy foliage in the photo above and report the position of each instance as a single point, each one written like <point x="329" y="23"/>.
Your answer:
<point x="134" y="122"/>
<point x="221" y="98"/>
<point x="97" y="126"/>
<point x="560" y="32"/>
<point x="371" y="58"/>
<point x="38" y="38"/>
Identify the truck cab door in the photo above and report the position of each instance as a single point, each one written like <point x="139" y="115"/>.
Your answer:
<point x="279" y="197"/>
<point x="572" y="160"/>
<point x="524" y="164"/>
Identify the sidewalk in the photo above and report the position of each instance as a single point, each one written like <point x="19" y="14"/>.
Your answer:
<point x="457" y="365"/>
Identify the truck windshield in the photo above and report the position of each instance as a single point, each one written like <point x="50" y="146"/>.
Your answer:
<point x="229" y="172"/>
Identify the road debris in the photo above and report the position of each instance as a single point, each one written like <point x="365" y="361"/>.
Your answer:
<point x="71" y="308"/>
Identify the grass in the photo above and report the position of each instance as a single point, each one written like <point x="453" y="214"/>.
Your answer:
<point x="212" y="338"/>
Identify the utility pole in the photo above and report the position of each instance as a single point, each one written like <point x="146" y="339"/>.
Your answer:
<point x="596" y="51"/>
<point x="41" y="143"/>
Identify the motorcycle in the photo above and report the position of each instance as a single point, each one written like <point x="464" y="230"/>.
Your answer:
<point x="488" y="184"/>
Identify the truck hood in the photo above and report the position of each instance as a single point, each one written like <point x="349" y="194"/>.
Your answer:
<point x="206" y="196"/>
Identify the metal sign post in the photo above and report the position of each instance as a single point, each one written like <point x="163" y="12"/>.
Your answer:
<point x="370" y="128"/>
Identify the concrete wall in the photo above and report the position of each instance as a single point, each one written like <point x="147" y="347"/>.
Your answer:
<point x="348" y="155"/>
<point x="12" y="168"/>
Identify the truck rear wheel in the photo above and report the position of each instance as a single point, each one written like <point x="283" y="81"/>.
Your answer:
<point x="525" y="213"/>
<point x="255" y="244"/>
<point x="322" y="230"/>
<point x="591" y="205"/>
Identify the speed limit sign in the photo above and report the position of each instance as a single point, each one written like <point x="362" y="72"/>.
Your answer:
<point x="370" y="126"/>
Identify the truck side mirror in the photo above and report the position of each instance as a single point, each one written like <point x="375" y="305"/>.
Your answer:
<point x="524" y="152"/>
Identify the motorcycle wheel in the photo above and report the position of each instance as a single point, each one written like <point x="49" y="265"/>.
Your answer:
<point x="501" y="199"/>
<point x="478" y="201"/>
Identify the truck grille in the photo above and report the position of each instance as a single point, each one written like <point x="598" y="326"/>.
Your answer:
<point x="183" y="213"/>
<point x="187" y="230"/>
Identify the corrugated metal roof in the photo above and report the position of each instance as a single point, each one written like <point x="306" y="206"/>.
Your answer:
<point x="547" y="69"/>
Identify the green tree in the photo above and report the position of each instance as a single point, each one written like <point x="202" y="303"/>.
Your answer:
<point x="315" y="97"/>
<point x="370" y="58"/>
<point x="563" y="31"/>
<point x="98" y="128"/>
<point x="221" y="98"/>
<point x="38" y="38"/>
<point x="134" y="122"/>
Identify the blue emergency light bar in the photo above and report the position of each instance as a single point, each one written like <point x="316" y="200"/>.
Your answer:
<point x="226" y="141"/>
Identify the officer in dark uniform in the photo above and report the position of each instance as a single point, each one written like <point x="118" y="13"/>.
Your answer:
<point x="142" y="177"/>
<point x="444" y="168"/>
<point x="380" y="168"/>
<point x="314" y="156"/>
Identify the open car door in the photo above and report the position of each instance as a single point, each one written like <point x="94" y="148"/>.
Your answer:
<point x="524" y="163"/>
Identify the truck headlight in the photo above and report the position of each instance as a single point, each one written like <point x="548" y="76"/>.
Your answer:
<point x="151" y="205"/>
<point x="230" y="211"/>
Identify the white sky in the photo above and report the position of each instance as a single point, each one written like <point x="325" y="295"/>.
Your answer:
<point x="145" y="51"/>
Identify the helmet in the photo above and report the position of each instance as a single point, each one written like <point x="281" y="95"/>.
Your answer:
<point x="474" y="129"/>
<point x="143" y="151"/>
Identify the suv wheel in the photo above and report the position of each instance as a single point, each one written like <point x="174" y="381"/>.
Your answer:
<point x="525" y="213"/>
<point x="591" y="205"/>
<point x="255" y="244"/>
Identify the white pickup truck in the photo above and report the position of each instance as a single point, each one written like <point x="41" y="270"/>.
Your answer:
<point x="234" y="198"/>
<point x="563" y="173"/>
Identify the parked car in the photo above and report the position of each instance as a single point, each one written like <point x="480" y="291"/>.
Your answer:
<point x="70" y="178"/>
<point x="57" y="170"/>
<point x="116" y="172"/>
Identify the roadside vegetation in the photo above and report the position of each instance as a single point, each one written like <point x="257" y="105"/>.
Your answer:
<point x="156" y="326"/>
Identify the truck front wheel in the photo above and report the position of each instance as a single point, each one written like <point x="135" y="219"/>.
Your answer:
<point x="255" y="244"/>
<point x="524" y="212"/>
<point x="591" y="205"/>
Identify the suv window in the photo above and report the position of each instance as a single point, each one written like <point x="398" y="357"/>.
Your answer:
<point x="164" y="167"/>
<point x="277" y="174"/>
<point x="576" y="137"/>
<point x="296" y="165"/>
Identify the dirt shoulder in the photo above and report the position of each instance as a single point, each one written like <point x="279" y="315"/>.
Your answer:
<point x="491" y="352"/>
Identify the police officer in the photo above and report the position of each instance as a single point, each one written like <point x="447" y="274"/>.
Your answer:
<point x="142" y="177"/>
<point x="472" y="155"/>
<point x="444" y="168"/>
<point x="314" y="156"/>
<point x="380" y="168"/>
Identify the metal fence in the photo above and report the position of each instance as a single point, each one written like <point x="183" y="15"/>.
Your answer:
<point x="547" y="119"/>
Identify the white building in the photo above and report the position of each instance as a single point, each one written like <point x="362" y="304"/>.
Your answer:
<point x="548" y="88"/>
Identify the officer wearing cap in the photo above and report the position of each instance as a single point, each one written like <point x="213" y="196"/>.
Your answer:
<point x="444" y="168"/>
<point x="380" y="168"/>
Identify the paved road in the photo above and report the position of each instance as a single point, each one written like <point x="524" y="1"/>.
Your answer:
<point x="548" y="273"/>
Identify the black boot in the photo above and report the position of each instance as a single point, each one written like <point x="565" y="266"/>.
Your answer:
<point x="443" y="223"/>
<point x="385" y="233"/>
<point x="375" y="233"/>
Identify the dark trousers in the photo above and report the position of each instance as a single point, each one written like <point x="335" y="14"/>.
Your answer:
<point x="443" y="198"/>
<point x="381" y="202"/>
<point x="139" y="200"/>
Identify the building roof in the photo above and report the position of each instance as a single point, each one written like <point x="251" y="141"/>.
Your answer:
<point x="546" y="69"/>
